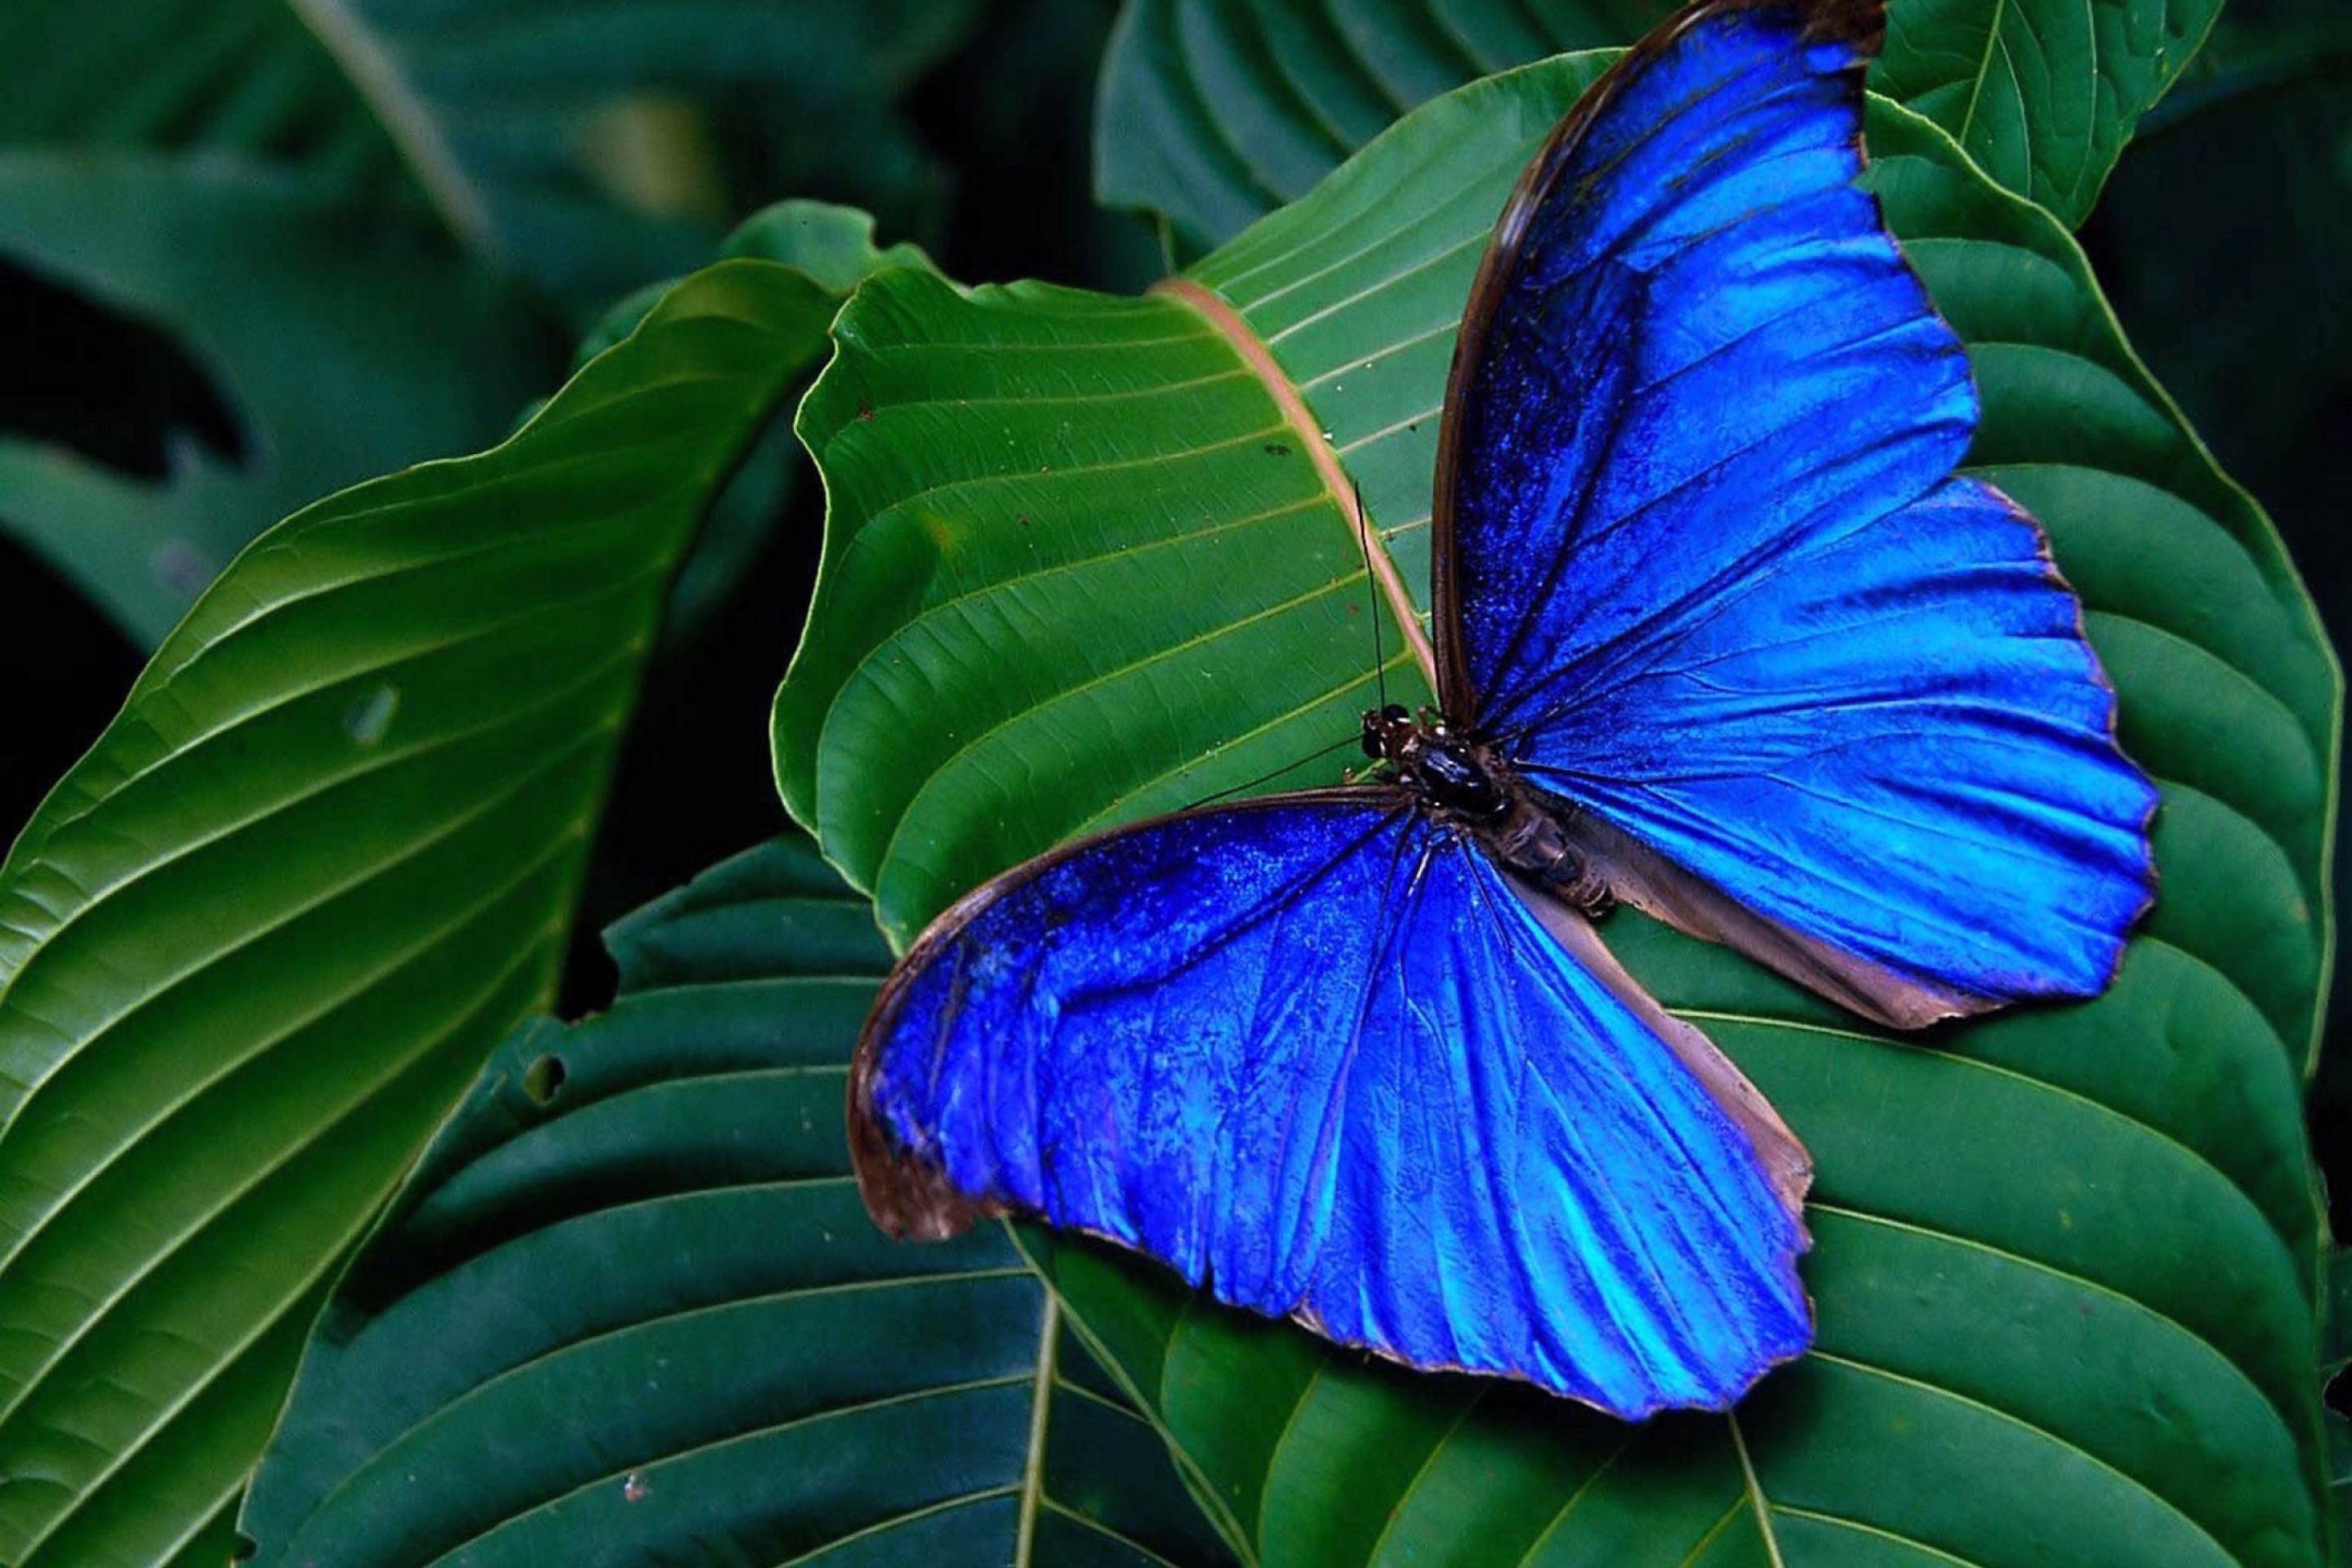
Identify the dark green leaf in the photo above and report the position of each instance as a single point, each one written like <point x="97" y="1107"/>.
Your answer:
<point x="343" y="354"/>
<point x="1214" y="112"/>
<point x="1081" y="567"/>
<point x="2222" y="240"/>
<point x="255" y="944"/>
<point x="590" y="147"/>
<point x="628" y="1307"/>
<point x="597" y="145"/>
<point x="245" y="77"/>
<point x="2043" y="94"/>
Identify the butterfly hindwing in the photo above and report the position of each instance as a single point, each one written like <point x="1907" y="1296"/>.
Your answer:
<point x="1705" y="571"/>
<point x="1321" y="1057"/>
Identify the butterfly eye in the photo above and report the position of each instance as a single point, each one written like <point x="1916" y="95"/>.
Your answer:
<point x="1395" y="714"/>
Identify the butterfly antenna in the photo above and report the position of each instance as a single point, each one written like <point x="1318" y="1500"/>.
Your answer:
<point x="1274" y="774"/>
<point x="1372" y="595"/>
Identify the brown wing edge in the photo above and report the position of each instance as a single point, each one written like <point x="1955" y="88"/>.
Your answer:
<point x="1786" y="1165"/>
<point x="907" y="1195"/>
<point x="1861" y="23"/>
<point x="1649" y="881"/>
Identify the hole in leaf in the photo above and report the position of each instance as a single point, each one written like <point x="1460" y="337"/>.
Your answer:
<point x="543" y="1079"/>
<point x="108" y="385"/>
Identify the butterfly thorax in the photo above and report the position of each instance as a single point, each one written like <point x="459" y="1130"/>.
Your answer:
<point x="1462" y="781"/>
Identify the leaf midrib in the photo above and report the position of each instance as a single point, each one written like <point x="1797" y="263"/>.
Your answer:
<point x="374" y="73"/>
<point x="1228" y="322"/>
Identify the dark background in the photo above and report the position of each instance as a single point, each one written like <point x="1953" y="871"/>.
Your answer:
<point x="2224" y="241"/>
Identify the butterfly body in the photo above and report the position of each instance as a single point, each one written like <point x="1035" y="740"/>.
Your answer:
<point x="1719" y="633"/>
<point x="1471" y="787"/>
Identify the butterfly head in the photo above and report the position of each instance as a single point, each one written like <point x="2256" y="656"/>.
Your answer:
<point x="1387" y="732"/>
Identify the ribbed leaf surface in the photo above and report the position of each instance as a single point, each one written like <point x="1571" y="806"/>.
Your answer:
<point x="1216" y="112"/>
<point x="257" y="942"/>
<point x="629" y="1309"/>
<point x="1083" y="565"/>
<point x="2043" y="94"/>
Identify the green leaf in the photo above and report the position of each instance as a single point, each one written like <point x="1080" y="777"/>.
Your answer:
<point x="835" y="247"/>
<point x="1083" y="565"/>
<point x="2336" y="1346"/>
<point x="597" y="145"/>
<point x="332" y="346"/>
<point x="2043" y="94"/>
<point x="629" y="1307"/>
<point x="256" y="943"/>
<point x="589" y="146"/>
<point x="1214" y="112"/>
<point x="244" y="76"/>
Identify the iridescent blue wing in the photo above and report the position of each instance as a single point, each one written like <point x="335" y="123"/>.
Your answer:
<point x="1703" y="571"/>
<point x="1317" y="1054"/>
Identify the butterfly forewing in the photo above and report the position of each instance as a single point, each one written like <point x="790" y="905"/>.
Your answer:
<point x="1705" y="571"/>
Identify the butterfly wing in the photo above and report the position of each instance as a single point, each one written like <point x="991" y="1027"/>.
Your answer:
<point x="1317" y="1054"/>
<point x="1703" y="569"/>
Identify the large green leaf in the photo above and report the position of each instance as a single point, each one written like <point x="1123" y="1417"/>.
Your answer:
<point x="2043" y="95"/>
<point x="629" y="1309"/>
<point x="259" y="940"/>
<point x="343" y="354"/>
<point x="590" y="147"/>
<point x="237" y="75"/>
<point x="1084" y="563"/>
<point x="835" y="247"/>
<point x="1214" y="113"/>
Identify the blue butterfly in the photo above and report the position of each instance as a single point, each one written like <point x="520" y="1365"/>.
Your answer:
<point x="1719" y="633"/>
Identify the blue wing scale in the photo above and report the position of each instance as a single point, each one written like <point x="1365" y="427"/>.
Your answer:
<point x="1714" y="586"/>
<point x="1321" y="1057"/>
